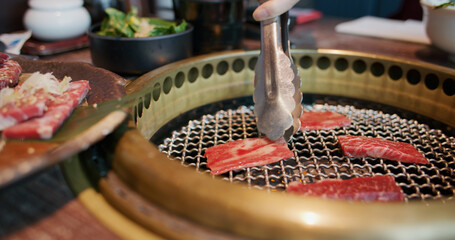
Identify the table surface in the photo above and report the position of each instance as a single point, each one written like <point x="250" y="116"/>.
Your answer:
<point x="44" y="207"/>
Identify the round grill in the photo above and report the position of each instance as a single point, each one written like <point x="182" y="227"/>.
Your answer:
<point x="317" y="154"/>
<point x="187" y="107"/>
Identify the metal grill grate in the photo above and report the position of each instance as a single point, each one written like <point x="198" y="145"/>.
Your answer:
<point x="317" y="154"/>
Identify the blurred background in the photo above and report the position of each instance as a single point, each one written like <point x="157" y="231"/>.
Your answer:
<point x="11" y="12"/>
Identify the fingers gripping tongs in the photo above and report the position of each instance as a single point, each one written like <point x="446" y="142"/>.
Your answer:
<point x="277" y="96"/>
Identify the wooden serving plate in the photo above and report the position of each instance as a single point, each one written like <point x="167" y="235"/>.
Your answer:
<point x="88" y="124"/>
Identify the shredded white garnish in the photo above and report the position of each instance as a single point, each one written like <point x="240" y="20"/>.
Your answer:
<point x="6" y="122"/>
<point x="48" y="82"/>
<point x="6" y="95"/>
<point x="64" y="84"/>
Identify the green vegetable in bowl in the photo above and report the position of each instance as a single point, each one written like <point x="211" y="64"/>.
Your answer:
<point x="447" y="4"/>
<point x="119" y="24"/>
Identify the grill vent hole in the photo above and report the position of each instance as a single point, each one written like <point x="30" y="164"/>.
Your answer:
<point x="193" y="74"/>
<point x="252" y="63"/>
<point x="341" y="64"/>
<point x="179" y="79"/>
<point x="449" y="87"/>
<point x="156" y="92"/>
<point x="359" y="66"/>
<point x="222" y="67"/>
<point x="207" y="71"/>
<point x="306" y="62"/>
<point x="395" y="72"/>
<point x="167" y="85"/>
<point x="238" y="65"/>
<point x="377" y="69"/>
<point x="139" y="107"/>
<point x="147" y="100"/>
<point x="431" y="81"/>
<point x="413" y="76"/>
<point x="323" y="63"/>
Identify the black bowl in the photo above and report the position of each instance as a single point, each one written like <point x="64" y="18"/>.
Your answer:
<point x="135" y="56"/>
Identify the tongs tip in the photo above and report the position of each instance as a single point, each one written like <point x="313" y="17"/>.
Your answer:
<point x="277" y="113"/>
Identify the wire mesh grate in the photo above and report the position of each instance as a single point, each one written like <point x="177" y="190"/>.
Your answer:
<point x="317" y="154"/>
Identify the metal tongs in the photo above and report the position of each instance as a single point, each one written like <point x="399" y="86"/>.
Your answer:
<point x="277" y="96"/>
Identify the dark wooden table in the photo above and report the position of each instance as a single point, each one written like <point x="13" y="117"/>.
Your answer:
<point x="321" y="34"/>
<point x="43" y="206"/>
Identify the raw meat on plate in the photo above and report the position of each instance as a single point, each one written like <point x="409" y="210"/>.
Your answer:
<point x="381" y="188"/>
<point x="361" y="146"/>
<point x="322" y="120"/>
<point x="3" y="58"/>
<point x="24" y="108"/>
<point x="58" y="110"/>
<point x="9" y="73"/>
<point x="245" y="153"/>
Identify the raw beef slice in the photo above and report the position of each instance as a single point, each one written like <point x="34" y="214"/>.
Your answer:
<point x="360" y="146"/>
<point x="58" y="110"/>
<point x="322" y="121"/>
<point x="22" y="109"/>
<point x="9" y="73"/>
<point x="245" y="153"/>
<point x="378" y="188"/>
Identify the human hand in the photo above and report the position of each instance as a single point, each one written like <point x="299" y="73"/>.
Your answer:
<point x="272" y="8"/>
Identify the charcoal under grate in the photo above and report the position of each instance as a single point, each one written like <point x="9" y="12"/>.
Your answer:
<point x="317" y="154"/>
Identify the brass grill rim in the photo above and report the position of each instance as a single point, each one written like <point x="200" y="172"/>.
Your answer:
<point x="216" y="204"/>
